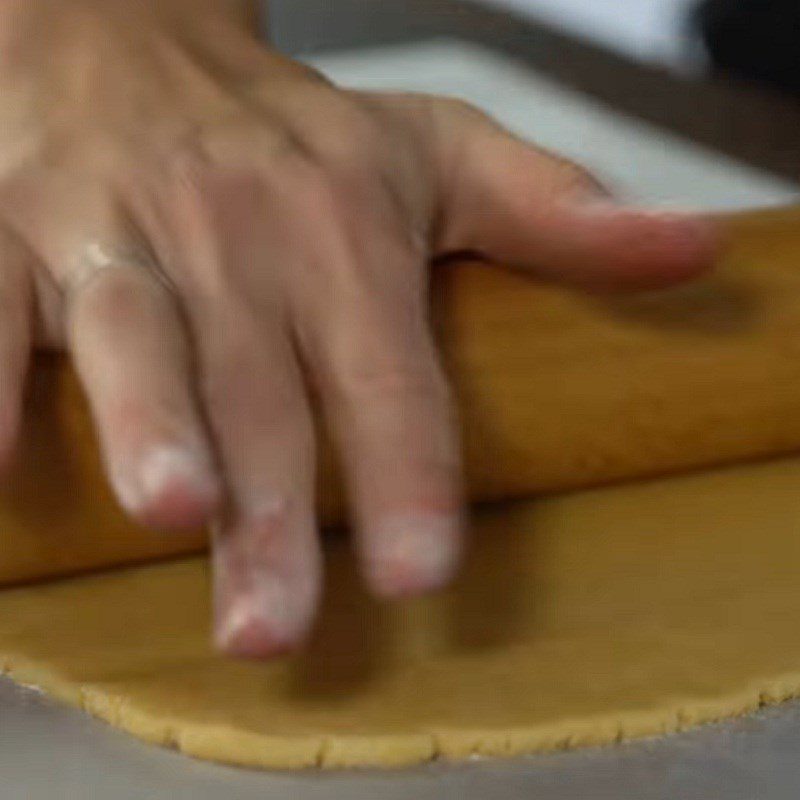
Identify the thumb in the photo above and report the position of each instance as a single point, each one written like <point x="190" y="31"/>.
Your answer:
<point x="526" y="208"/>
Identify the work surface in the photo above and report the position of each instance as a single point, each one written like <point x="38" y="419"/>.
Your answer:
<point x="47" y="751"/>
<point x="43" y="746"/>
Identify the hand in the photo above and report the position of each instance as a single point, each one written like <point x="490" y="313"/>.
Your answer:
<point x="215" y="233"/>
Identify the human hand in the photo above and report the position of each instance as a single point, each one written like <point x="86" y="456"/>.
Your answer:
<point x="217" y="234"/>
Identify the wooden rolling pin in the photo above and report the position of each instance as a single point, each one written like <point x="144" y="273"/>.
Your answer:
<point x="557" y="390"/>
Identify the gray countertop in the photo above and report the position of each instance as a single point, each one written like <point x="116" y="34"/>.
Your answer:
<point x="48" y="751"/>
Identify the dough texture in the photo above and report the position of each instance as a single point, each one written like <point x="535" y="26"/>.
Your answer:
<point x="581" y="619"/>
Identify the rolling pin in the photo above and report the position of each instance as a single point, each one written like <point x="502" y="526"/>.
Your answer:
<point x="557" y="390"/>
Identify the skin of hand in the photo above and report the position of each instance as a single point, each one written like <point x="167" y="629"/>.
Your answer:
<point x="216" y="234"/>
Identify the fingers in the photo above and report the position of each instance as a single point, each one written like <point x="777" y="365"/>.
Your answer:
<point x="396" y="433"/>
<point x="392" y="418"/>
<point x="532" y="210"/>
<point x="267" y="568"/>
<point x="16" y="323"/>
<point x="129" y="349"/>
<point x="266" y="556"/>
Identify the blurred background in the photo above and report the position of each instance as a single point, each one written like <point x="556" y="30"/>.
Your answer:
<point x="753" y="40"/>
<point x="678" y="102"/>
<point x="650" y="30"/>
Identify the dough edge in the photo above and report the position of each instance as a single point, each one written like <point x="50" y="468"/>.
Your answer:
<point x="237" y="747"/>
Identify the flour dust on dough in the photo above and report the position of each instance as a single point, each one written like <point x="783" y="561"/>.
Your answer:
<point x="581" y="619"/>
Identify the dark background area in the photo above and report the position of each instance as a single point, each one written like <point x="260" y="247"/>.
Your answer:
<point x="740" y="114"/>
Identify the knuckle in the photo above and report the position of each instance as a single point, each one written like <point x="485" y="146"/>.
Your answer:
<point x="220" y="160"/>
<point x="312" y="75"/>
<point x="459" y="106"/>
<point x="351" y="136"/>
<point x="310" y="188"/>
<point x="574" y="179"/>
<point x="455" y="111"/>
<point x="187" y="163"/>
<point x="194" y="173"/>
<point x="260" y="84"/>
<point x="248" y="140"/>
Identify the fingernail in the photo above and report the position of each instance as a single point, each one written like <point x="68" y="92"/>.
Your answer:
<point x="171" y="486"/>
<point x="414" y="553"/>
<point x="263" y="621"/>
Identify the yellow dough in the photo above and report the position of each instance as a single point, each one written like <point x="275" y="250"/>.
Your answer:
<point x="581" y="619"/>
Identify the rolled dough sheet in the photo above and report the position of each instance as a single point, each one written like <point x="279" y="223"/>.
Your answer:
<point x="581" y="619"/>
